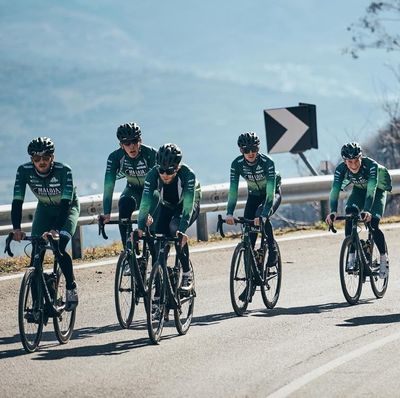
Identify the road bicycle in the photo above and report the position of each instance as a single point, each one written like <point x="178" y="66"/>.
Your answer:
<point x="132" y="272"/>
<point x="166" y="292"/>
<point x="366" y="262"/>
<point x="42" y="295"/>
<point x="249" y="269"/>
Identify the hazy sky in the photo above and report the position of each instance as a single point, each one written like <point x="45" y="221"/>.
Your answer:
<point x="195" y="73"/>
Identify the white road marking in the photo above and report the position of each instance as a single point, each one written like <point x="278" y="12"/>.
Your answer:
<point x="314" y="374"/>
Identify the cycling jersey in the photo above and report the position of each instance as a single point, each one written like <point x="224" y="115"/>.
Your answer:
<point x="183" y="191"/>
<point x="370" y="177"/>
<point x="261" y="178"/>
<point x="120" y="165"/>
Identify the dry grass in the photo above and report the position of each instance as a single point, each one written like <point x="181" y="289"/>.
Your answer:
<point x="16" y="264"/>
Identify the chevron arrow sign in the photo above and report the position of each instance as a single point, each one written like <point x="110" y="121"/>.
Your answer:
<point x="291" y="129"/>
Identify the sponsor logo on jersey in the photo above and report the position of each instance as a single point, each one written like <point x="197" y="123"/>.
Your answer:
<point x="48" y="191"/>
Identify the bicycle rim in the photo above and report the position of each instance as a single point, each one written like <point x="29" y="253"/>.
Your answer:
<point x="351" y="281"/>
<point x="271" y="287"/>
<point x="156" y="303"/>
<point x="378" y="285"/>
<point x="239" y="282"/>
<point x="30" y="313"/>
<point x="64" y="323"/>
<point x="124" y="292"/>
<point x="184" y="314"/>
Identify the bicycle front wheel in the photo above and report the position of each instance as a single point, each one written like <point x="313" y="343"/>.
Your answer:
<point x="184" y="314"/>
<point x="378" y="285"/>
<point x="124" y="291"/>
<point x="271" y="287"/>
<point x="64" y="323"/>
<point x="156" y="303"/>
<point x="240" y="280"/>
<point x="30" y="312"/>
<point x="351" y="278"/>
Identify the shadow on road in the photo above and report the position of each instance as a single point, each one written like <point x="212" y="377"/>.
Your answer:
<point x="210" y="319"/>
<point x="371" y="320"/>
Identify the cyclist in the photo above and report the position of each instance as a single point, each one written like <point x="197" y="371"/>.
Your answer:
<point x="172" y="195"/>
<point x="371" y="181"/>
<point x="57" y="210"/>
<point x="263" y="184"/>
<point x="132" y="160"/>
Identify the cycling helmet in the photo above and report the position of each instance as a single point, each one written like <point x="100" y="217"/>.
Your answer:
<point x="129" y="131"/>
<point x="248" y="139"/>
<point x="351" y="150"/>
<point x="40" y="146"/>
<point x="169" y="156"/>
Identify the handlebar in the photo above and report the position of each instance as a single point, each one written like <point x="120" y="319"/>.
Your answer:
<point x="349" y="217"/>
<point x="102" y="224"/>
<point x="53" y="243"/>
<point x="238" y="220"/>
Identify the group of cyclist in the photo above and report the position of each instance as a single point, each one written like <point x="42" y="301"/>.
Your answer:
<point x="167" y="194"/>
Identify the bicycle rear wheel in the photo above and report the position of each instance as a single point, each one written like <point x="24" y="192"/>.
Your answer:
<point x="378" y="285"/>
<point x="240" y="280"/>
<point x="124" y="291"/>
<point x="30" y="312"/>
<point x="184" y="314"/>
<point x="271" y="287"/>
<point x="156" y="303"/>
<point x="350" y="280"/>
<point x="64" y="323"/>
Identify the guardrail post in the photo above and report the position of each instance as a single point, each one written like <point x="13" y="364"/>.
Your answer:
<point x="201" y="227"/>
<point x="77" y="243"/>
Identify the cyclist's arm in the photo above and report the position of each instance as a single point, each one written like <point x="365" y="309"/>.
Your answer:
<point x="269" y="188"/>
<point x="336" y="186"/>
<point x="18" y="198"/>
<point x="148" y="198"/>
<point x="371" y="187"/>
<point x="66" y="198"/>
<point x="233" y="189"/>
<point x="188" y="202"/>
<point x="109" y="182"/>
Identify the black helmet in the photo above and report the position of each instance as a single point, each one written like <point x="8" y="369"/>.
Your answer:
<point x="129" y="131"/>
<point x="169" y="156"/>
<point x="248" y="139"/>
<point x="40" y="146"/>
<point x="351" y="150"/>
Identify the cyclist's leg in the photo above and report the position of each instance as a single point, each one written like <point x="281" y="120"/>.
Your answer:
<point x="128" y="202"/>
<point x="377" y="210"/>
<point x="253" y="202"/>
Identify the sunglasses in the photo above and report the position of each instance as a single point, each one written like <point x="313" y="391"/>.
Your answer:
<point x="129" y="142"/>
<point x="249" y="149"/>
<point x="38" y="158"/>
<point x="168" y="172"/>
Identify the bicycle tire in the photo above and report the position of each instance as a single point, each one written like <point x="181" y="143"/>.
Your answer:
<point x="184" y="315"/>
<point x="145" y="269"/>
<point x="378" y="285"/>
<point x="30" y="319"/>
<point x="351" y="281"/>
<point x="240" y="284"/>
<point x="65" y="322"/>
<point x="271" y="287"/>
<point x="156" y="303"/>
<point x="124" y="292"/>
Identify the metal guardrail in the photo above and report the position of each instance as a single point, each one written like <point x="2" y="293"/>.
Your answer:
<point x="214" y="198"/>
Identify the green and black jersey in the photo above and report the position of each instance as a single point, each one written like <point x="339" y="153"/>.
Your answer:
<point x="370" y="177"/>
<point x="261" y="180"/>
<point x="184" y="190"/>
<point x="49" y="190"/>
<point x="120" y="165"/>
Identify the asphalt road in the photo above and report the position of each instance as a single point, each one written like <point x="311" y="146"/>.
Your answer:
<point x="312" y="344"/>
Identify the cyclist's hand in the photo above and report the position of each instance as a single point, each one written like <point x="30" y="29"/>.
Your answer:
<point x="18" y="235"/>
<point x="105" y="218"/>
<point x="149" y="220"/>
<point x="257" y="220"/>
<point x="230" y="219"/>
<point x="54" y="234"/>
<point x="184" y="238"/>
<point x="140" y="232"/>
<point x="366" y="216"/>
<point x="330" y="218"/>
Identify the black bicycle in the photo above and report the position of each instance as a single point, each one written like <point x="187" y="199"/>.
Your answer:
<point x="166" y="292"/>
<point x="249" y="269"/>
<point x="365" y="263"/>
<point x="42" y="296"/>
<point x="132" y="272"/>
